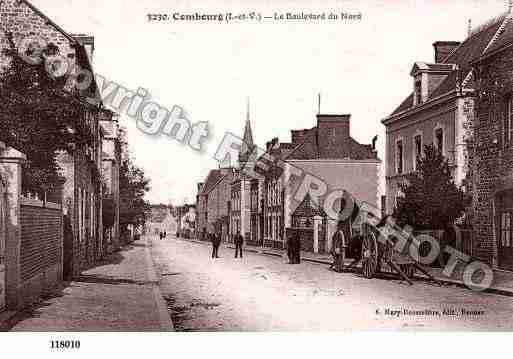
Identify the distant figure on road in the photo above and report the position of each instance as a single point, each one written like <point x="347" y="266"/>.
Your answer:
<point x="161" y="235"/>
<point x="339" y="248"/>
<point x="239" y="240"/>
<point x="216" y="241"/>
<point x="294" y="249"/>
<point x="165" y="234"/>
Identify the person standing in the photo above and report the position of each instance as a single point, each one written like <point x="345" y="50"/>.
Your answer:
<point x="239" y="240"/>
<point x="215" y="245"/>
<point x="297" y="249"/>
<point x="339" y="248"/>
<point x="294" y="249"/>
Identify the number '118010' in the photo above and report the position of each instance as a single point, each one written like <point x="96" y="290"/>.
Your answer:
<point x="65" y="344"/>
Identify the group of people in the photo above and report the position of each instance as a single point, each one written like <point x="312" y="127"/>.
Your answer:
<point x="215" y="239"/>
<point x="339" y="247"/>
<point x="163" y="235"/>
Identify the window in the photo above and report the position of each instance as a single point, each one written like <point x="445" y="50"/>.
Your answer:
<point x="399" y="156"/>
<point x="505" y="230"/>
<point x="439" y="140"/>
<point x="508" y="118"/>
<point x="418" y="150"/>
<point x="418" y="92"/>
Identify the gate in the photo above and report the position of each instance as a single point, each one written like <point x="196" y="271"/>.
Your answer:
<point x="3" y="235"/>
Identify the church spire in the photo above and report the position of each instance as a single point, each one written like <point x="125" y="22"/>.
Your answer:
<point x="247" y="144"/>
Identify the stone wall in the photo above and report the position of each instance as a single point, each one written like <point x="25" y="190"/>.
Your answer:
<point x="491" y="158"/>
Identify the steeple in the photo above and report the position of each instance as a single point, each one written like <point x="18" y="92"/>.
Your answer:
<point x="247" y="144"/>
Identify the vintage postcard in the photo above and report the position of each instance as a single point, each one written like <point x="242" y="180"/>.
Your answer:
<point x="255" y="166"/>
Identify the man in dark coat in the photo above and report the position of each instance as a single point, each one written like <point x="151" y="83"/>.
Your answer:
<point x="239" y="240"/>
<point x="294" y="249"/>
<point x="339" y="248"/>
<point x="216" y="241"/>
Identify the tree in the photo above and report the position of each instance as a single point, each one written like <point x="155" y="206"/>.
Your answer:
<point x="431" y="198"/>
<point x="133" y="185"/>
<point x="38" y="117"/>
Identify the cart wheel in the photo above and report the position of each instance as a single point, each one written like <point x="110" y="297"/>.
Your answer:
<point x="408" y="269"/>
<point x="369" y="255"/>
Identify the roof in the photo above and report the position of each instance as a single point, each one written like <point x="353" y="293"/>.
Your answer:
<point x="506" y="38"/>
<point x="213" y="178"/>
<point x="469" y="50"/>
<point x="92" y="92"/>
<point x="350" y="149"/>
<point x="308" y="208"/>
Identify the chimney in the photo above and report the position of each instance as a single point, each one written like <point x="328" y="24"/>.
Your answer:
<point x="88" y="42"/>
<point x="334" y="124"/>
<point x="443" y="49"/>
<point x="333" y="135"/>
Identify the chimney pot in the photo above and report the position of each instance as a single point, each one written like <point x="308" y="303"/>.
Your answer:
<point x="443" y="49"/>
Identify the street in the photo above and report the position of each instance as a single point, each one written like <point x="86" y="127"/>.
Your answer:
<point x="261" y="293"/>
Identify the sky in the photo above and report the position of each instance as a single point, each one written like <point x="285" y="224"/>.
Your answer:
<point x="209" y="69"/>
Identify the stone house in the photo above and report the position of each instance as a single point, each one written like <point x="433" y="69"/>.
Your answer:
<point x="438" y="110"/>
<point x="82" y="191"/>
<point x="491" y="150"/>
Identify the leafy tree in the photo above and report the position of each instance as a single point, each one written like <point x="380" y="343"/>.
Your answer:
<point x="431" y="198"/>
<point x="38" y="117"/>
<point x="133" y="185"/>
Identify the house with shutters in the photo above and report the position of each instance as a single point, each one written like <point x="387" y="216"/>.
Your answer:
<point x="439" y="110"/>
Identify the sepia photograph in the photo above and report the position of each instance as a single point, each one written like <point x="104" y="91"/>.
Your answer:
<point x="254" y="167"/>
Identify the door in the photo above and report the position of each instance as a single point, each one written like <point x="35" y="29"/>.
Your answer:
<point x="504" y="226"/>
<point x="3" y="235"/>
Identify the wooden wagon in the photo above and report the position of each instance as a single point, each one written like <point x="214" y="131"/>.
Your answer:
<point x="379" y="252"/>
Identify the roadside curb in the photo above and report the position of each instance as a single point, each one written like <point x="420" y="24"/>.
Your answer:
<point x="165" y="318"/>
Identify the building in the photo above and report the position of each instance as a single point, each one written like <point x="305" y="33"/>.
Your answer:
<point x="213" y="205"/>
<point x="328" y="153"/>
<point x="491" y="149"/>
<point x="245" y="191"/>
<point x="63" y="233"/>
<point x="437" y="111"/>
<point x="111" y="162"/>
<point x="185" y="220"/>
<point x="160" y="220"/>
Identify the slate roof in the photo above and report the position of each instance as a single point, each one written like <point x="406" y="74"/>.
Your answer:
<point x="349" y="149"/>
<point x="505" y="38"/>
<point x="470" y="50"/>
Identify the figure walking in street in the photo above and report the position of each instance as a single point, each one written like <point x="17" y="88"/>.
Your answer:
<point x="339" y="248"/>
<point x="216" y="241"/>
<point x="239" y="240"/>
<point x="161" y="235"/>
<point x="165" y="234"/>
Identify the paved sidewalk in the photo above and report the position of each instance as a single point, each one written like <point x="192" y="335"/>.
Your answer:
<point x="120" y="294"/>
<point x="502" y="283"/>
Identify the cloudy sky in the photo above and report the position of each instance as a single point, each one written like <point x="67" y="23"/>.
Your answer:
<point x="209" y="69"/>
